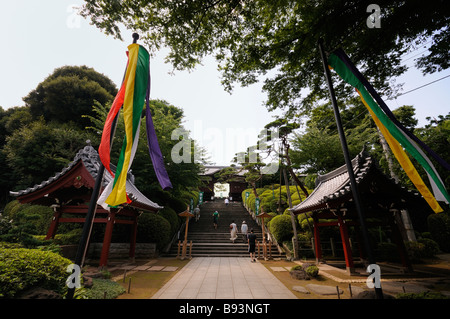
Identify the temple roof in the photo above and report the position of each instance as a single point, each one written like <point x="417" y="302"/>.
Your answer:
<point x="334" y="187"/>
<point x="209" y="170"/>
<point x="90" y="160"/>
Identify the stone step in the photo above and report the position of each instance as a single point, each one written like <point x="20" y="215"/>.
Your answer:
<point x="210" y="242"/>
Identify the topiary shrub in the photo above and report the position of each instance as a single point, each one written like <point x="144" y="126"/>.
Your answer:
<point x="387" y="252"/>
<point x="22" y="269"/>
<point x="439" y="227"/>
<point x="172" y="217"/>
<point x="153" y="228"/>
<point x="312" y="271"/>
<point x="281" y="228"/>
<point x="430" y="249"/>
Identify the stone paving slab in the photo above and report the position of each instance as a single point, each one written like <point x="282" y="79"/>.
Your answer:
<point x="323" y="290"/>
<point x="223" y="277"/>
<point x="141" y="268"/>
<point x="301" y="289"/>
<point x="278" y="268"/>
<point x="169" y="268"/>
<point x="155" y="268"/>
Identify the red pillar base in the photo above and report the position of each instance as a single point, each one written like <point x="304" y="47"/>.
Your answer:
<point x="107" y="239"/>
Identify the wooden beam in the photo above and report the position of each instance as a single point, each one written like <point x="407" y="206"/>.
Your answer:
<point x="107" y="239"/>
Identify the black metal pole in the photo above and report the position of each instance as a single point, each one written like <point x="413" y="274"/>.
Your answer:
<point x="348" y="162"/>
<point x="85" y="235"/>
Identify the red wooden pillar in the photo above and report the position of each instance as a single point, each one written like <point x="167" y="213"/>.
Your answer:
<point x="107" y="239"/>
<point x="133" y="238"/>
<point x="346" y="245"/>
<point x="54" y="225"/>
<point x="317" y="246"/>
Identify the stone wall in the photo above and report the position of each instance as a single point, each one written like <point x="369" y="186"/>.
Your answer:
<point x="122" y="250"/>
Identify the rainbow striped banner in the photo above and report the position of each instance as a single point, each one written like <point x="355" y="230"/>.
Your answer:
<point x="396" y="136"/>
<point x="132" y="96"/>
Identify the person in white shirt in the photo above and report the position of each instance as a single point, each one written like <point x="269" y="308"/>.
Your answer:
<point x="244" y="230"/>
<point x="233" y="230"/>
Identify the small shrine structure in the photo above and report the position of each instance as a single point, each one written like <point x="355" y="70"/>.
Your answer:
<point x="237" y="185"/>
<point x="385" y="204"/>
<point x="69" y="192"/>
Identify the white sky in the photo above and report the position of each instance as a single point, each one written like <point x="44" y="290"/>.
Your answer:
<point x="38" y="36"/>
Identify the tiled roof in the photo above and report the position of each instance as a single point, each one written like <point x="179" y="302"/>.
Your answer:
<point x="211" y="170"/>
<point x="91" y="161"/>
<point x="336" y="184"/>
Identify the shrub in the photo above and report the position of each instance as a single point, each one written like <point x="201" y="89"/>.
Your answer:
<point x="153" y="228"/>
<point x="22" y="269"/>
<point x="177" y="205"/>
<point x="423" y="248"/>
<point x="281" y="227"/>
<point x="100" y="286"/>
<point x="312" y="271"/>
<point x="414" y="250"/>
<point x="439" y="227"/>
<point x="422" y="295"/>
<point x="430" y="249"/>
<point x="172" y="217"/>
<point x="386" y="252"/>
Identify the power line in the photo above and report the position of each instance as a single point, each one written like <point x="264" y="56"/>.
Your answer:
<point x="419" y="87"/>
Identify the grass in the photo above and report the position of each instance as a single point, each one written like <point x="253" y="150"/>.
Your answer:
<point x="144" y="284"/>
<point x="289" y="282"/>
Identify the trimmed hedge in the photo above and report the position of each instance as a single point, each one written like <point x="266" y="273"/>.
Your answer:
<point x="153" y="228"/>
<point x="281" y="228"/>
<point x="22" y="269"/>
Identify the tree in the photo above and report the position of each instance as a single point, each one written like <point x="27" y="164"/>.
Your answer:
<point x="69" y="93"/>
<point x="36" y="151"/>
<point x="166" y="118"/>
<point x="278" y="39"/>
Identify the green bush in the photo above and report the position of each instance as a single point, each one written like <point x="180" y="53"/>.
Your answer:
<point x="386" y="252"/>
<point x="423" y="248"/>
<point x="177" y="205"/>
<point x="22" y="269"/>
<point x="430" y="249"/>
<point x="100" y="286"/>
<point x="312" y="271"/>
<point x="414" y="250"/>
<point x="422" y="295"/>
<point x="439" y="227"/>
<point x="172" y="217"/>
<point x="153" y="228"/>
<point x="281" y="227"/>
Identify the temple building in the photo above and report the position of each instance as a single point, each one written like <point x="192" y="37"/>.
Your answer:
<point x="69" y="192"/>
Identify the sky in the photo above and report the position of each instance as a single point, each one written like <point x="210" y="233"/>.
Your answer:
<point x="38" y="36"/>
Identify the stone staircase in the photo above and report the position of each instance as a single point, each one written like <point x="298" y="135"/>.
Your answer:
<point x="210" y="242"/>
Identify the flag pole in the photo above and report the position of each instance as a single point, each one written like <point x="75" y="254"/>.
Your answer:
<point x="348" y="162"/>
<point x="87" y="227"/>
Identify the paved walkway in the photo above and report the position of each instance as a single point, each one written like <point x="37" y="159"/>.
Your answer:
<point x="224" y="278"/>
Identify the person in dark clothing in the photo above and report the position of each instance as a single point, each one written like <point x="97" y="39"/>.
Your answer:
<point x="251" y="239"/>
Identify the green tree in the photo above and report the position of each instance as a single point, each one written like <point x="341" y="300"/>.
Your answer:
<point x="68" y="93"/>
<point x="166" y="118"/>
<point x="37" y="151"/>
<point x="278" y="39"/>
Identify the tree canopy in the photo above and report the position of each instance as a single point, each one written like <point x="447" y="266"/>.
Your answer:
<point x="69" y="93"/>
<point x="277" y="40"/>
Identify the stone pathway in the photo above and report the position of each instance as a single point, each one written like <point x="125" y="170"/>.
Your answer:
<point x="131" y="269"/>
<point x="224" y="278"/>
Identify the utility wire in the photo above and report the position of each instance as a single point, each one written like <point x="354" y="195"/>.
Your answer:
<point x="419" y="87"/>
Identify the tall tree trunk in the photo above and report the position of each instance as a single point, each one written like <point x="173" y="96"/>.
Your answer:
<point x="294" y="228"/>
